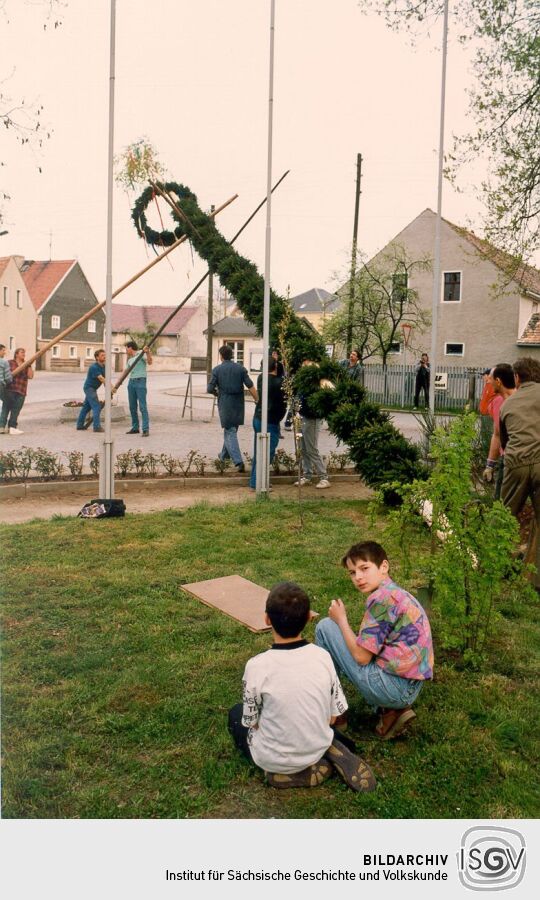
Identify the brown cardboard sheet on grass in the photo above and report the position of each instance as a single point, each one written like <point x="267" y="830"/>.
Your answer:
<point x="236" y="597"/>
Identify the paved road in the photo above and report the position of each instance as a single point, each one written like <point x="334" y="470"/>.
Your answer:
<point x="169" y="433"/>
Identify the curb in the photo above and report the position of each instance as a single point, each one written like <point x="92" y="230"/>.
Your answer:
<point x="17" y="491"/>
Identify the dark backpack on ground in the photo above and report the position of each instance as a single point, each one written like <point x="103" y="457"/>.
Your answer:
<point x="103" y="509"/>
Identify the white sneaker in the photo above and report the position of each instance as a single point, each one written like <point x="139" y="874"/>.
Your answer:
<point x="15" y="431"/>
<point x="302" y="481"/>
<point x="323" y="483"/>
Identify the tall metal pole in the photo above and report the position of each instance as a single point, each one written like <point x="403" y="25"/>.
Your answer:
<point x="350" y="316"/>
<point x="106" y="469"/>
<point x="263" y="445"/>
<point x="210" y="319"/>
<point x="435" y="299"/>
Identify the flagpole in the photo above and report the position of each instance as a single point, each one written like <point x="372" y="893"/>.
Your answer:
<point x="436" y="295"/>
<point x="263" y="445"/>
<point x="106" y="469"/>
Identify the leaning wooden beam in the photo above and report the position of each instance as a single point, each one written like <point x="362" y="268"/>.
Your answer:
<point x="136" y="359"/>
<point x="95" y="309"/>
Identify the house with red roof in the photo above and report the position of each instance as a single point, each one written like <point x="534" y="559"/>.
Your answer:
<point x="18" y="317"/>
<point x="61" y="294"/>
<point x="181" y="343"/>
<point x="488" y="302"/>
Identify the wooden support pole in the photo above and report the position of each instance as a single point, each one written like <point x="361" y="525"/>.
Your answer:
<point x="95" y="309"/>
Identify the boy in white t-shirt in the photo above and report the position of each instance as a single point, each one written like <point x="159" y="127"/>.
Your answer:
<point x="291" y="698"/>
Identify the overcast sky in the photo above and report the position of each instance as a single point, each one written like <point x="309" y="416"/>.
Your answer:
<point x="192" y="76"/>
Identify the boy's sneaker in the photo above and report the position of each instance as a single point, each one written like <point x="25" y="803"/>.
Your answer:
<point x="15" y="431"/>
<point x="354" y="771"/>
<point x="313" y="776"/>
<point x="302" y="481"/>
<point x="323" y="483"/>
<point x="393" y="721"/>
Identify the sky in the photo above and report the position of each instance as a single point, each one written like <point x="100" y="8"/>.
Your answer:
<point x="192" y="77"/>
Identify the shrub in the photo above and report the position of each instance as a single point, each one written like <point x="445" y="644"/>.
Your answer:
<point x="124" y="463"/>
<point x="472" y="542"/>
<point x="47" y="464"/>
<point x="75" y="460"/>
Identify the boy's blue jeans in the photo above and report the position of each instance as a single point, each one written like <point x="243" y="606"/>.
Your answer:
<point x="378" y="688"/>
<point x="137" y="395"/>
<point x="273" y="431"/>
<point x="91" y="402"/>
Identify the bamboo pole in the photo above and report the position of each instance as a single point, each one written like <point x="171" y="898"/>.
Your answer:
<point x="139" y="356"/>
<point x="95" y="309"/>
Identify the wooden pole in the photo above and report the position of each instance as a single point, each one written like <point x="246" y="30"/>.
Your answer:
<point x="95" y="309"/>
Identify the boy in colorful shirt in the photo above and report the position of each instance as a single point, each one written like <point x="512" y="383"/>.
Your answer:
<point x="392" y="655"/>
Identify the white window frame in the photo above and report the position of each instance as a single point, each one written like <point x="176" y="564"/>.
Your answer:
<point x="454" y="342"/>
<point x="19" y="300"/>
<point x="56" y="352"/>
<point x="396" y="352"/>
<point x="452" y="272"/>
<point x="12" y="342"/>
<point x="236" y="348"/>
<point x="91" y="326"/>
<point x="89" y="352"/>
<point x="73" y="353"/>
<point x="55" y="322"/>
<point x="6" y="295"/>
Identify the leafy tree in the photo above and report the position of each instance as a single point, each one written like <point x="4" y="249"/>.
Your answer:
<point x="382" y="301"/>
<point x="504" y="106"/>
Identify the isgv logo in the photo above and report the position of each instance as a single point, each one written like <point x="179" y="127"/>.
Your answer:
<point x="491" y="858"/>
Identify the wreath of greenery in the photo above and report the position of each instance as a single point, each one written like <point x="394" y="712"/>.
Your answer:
<point x="380" y="452"/>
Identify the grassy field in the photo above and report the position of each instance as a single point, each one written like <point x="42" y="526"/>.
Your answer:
<point x="116" y="684"/>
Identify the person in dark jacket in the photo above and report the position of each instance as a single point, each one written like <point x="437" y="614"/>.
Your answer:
<point x="422" y="380"/>
<point x="228" y="381"/>
<point x="277" y="407"/>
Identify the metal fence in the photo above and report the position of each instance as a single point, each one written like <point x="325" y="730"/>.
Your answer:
<point x="395" y="385"/>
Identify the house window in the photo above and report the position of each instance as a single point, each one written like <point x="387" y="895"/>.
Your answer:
<point x="73" y="353"/>
<point x="55" y="321"/>
<point x="238" y="350"/>
<point x="6" y="296"/>
<point x="19" y="300"/>
<point x="454" y="349"/>
<point x="395" y="347"/>
<point x="452" y="287"/>
<point x="400" y="284"/>
<point x="92" y="325"/>
<point x="89" y="353"/>
<point x="56" y="351"/>
<point x="12" y="342"/>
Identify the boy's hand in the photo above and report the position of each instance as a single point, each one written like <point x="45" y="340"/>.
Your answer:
<point x="337" y="611"/>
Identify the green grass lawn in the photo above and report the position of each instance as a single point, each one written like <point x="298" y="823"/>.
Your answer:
<point x="116" y="684"/>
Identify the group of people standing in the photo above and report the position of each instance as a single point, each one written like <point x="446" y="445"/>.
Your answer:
<point x="228" y="381"/>
<point x="511" y="397"/>
<point x="13" y="389"/>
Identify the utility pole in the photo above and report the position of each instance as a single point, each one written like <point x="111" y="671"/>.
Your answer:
<point x="350" y="317"/>
<point x="209" y="333"/>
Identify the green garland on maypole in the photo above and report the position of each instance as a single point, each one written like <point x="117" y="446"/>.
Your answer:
<point x="379" y="451"/>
